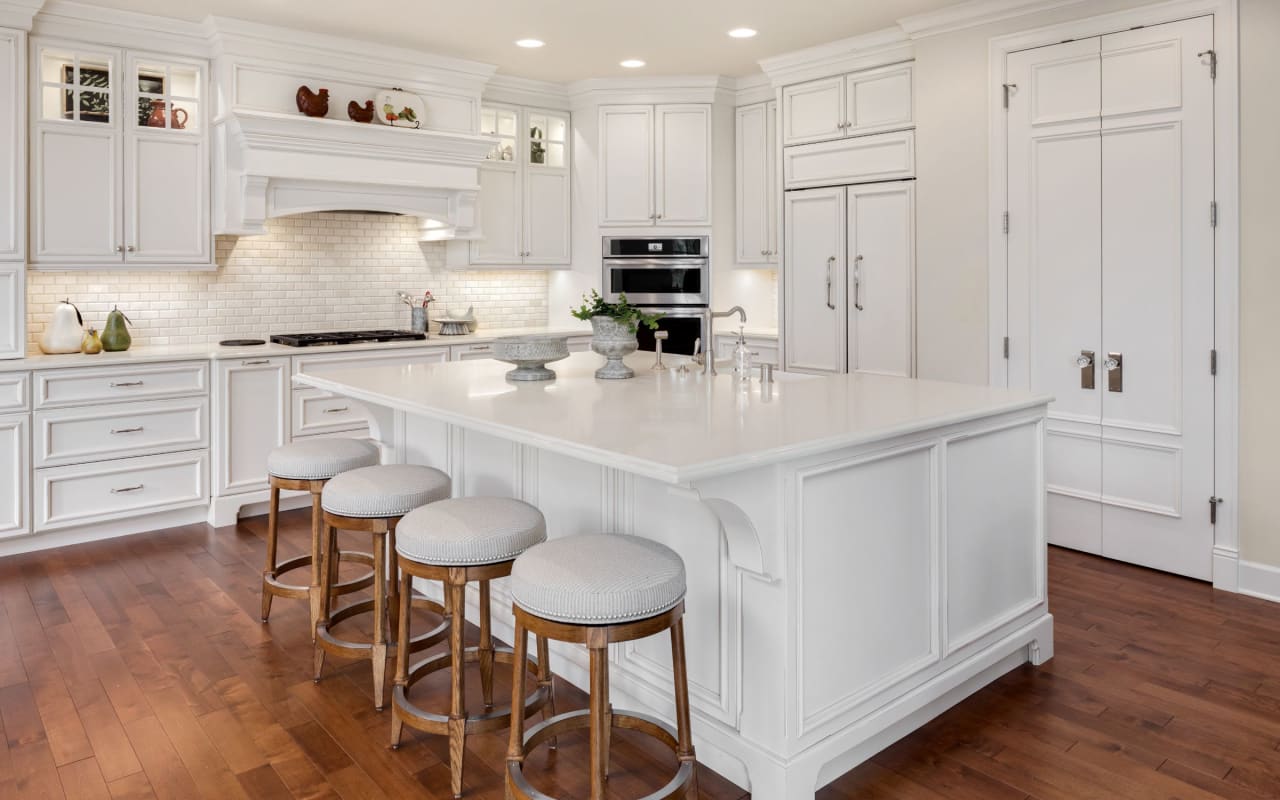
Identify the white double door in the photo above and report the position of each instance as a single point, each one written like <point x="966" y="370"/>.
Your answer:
<point x="848" y="279"/>
<point x="1111" y="286"/>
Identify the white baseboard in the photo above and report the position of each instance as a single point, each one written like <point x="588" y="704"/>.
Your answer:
<point x="1260" y="580"/>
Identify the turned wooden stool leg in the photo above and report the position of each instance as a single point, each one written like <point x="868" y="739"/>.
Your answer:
<point x="520" y="647"/>
<point x="402" y="648"/>
<point x="328" y="555"/>
<point x="546" y="682"/>
<point x="273" y="531"/>
<point x="485" y="651"/>
<point x="317" y="555"/>
<point x="457" y="699"/>
<point x="598" y="705"/>
<point x="684" y="745"/>
<point x="334" y="561"/>
<point x="379" y="652"/>
<point x="393" y="580"/>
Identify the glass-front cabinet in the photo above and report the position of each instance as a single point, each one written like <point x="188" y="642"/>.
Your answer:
<point x="119" y="161"/>
<point x="524" y="189"/>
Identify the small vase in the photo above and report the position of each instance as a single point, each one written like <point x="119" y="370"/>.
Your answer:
<point x="614" y="341"/>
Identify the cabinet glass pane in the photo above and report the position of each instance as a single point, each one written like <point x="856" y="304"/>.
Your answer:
<point x="75" y="87"/>
<point x="168" y="96"/>
<point x="547" y="134"/>
<point x="94" y="106"/>
<point x="501" y="123"/>
<point x="549" y="154"/>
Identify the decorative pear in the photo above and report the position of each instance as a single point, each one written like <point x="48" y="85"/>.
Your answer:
<point x="64" y="331"/>
<point x="115" y="336"/>
<point x="91" y="344"/>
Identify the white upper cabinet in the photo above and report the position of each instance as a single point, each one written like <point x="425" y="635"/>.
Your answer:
<point x="120" y="165"/>
<point x="655" y="165"/>
<point x="864" y="102"/>
<point x="757" y="197"/>
<point x="13" y="137"/>
<point x="524" y="189"/>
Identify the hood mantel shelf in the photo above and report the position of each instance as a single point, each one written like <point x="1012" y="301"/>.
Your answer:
<point x="270" y="164"/>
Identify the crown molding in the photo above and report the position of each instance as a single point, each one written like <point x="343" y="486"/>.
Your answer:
<point x="875" y="49"/>
<point x="527" y="92"/>
<point x="72" y="20"/>
<point x="975" y="13"/>
<point x="749" y="89"/>
<point x="661" y="89"/>
<point x="19" y="13"/>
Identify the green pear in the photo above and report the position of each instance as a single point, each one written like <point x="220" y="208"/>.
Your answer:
<point x="115" y="336"/>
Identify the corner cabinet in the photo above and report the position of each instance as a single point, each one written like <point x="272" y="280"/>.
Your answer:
<point x="757" y="184"/>
<point x="119" y="161"/>
<point x="870" y="101"/>
<point x="524" y="189"/>
<point x="655" y="165"/>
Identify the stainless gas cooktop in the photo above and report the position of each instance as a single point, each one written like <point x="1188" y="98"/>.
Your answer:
<point x="343" y="337"/>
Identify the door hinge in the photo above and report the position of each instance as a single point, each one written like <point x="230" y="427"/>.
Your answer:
<point x="1213" y="62"/>
<point x="1214" y="502"/>
<point x="1213" y="362"/>
<point x="1213" y="213"/>
<point x="1004" y="222"/>
<point x="1008" y="89"/>
<point x="1006" y="347"/>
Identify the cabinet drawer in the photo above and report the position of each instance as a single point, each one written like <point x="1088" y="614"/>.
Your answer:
<point x="861" y="159"/>
<point x="13" y="391"/>
<point x="321" y="364"/>
<point x="465" y="352"/>
<point x="110" y="490"/>
<point x="71" y="387"/>
<point x="315" y="411"/>
<point x="115" y="430"/>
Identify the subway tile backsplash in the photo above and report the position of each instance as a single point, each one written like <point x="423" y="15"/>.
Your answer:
<point x="323" y="271"/>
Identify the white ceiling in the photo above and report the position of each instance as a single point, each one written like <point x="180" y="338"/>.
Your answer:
<point x="585" y="38"/>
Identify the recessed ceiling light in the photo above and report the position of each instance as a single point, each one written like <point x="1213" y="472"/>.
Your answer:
<point x="530" y="43"/>
<point x="632" y="63"/>
<point x="742" y="33"/>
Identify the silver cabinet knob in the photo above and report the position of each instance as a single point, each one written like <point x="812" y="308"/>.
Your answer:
<point x="1084" y="360"/>
<point x="119" y="248"/>
<point x="131" y="248"/>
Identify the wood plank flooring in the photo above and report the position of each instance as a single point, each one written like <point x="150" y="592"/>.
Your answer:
<point x="138" y="668"/>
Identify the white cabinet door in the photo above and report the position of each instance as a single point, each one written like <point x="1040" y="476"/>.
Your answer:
<point x="626" y="165"/>
<point x="878" y="99"/>
<point x="15" y="467"/>
<point x="251" y="412"/>
<point x="881" y="279"/>
<point x="499" y="216"/>
<point x="682" y="147"/>
<point x="813" y="111"/>
<point x="76" y="194"/>
<point x="13" y="306"/>
<point x="167" y="199"/>
<point x="756" y="184"/>
<point x="13" y="154"/>
<point x="470" y="352"/>
<point x="814" y="272"/>
<point x="546" y="215"/>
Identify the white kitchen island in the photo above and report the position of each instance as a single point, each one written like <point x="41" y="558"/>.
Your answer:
<point x="862" y="551"/>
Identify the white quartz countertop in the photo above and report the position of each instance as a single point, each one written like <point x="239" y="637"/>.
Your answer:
<point x="666" y="426"/>
<point x="144" y="354"/>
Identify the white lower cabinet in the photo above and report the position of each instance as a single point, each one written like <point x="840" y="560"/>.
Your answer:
<point x="83" y="493"/>
<point x="100" y="433"/>
<point x="317" y="412"/>
<point x="251" y="407"/>
<point x="15" y="469"/>
<point x="764" y="349"/>
<point x="466" y="352"/>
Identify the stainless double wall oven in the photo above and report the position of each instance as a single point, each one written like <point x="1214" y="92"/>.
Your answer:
<point x="667" y="275"/>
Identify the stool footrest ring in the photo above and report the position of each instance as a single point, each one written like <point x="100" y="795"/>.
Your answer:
<point x="271" y="580"/>
<point x="495" y="719"/>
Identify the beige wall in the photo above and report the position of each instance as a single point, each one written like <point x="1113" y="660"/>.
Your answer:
<point x="951" y="111"/>
<point x="1259" y="280"/>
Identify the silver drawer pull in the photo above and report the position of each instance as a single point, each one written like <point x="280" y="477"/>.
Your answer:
<point x="124" y="489"/>
<point x="479" y="347"/>
<point x="124" y="384"/>
<point x="337" y="410"/>
<point x="137" y="429"/>
<point x="257" y="363"/>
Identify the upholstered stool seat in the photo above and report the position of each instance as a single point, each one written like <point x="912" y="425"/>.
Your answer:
<point x="307" y="466"/>
<point x="598" y="580"/>
<point x="373" y="500"/>
<point x="456" y="542"/>
<point x="388" y="490"/>
<point x="596" y="591"/>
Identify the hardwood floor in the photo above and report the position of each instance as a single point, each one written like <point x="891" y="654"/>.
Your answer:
<point x="138" y="668"/>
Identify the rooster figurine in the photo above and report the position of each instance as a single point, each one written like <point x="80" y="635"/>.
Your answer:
<point x="313" y="104"/>
<point x="359" y="114"/>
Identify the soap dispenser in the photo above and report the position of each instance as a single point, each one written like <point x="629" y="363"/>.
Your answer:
<point x="742" y="358"/>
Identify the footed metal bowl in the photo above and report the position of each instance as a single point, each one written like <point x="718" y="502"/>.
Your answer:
<point x="531" y="354"/>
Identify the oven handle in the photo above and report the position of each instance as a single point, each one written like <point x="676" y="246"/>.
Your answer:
<point x="656" y="263"/>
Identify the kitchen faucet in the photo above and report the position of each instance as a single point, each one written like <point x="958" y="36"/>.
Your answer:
<point x="709" y="350"/>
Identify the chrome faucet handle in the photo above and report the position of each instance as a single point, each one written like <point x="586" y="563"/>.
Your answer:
<point x="658" y="339"/>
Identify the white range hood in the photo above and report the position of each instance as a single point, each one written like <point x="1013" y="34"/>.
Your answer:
<point x="268" y="164"/>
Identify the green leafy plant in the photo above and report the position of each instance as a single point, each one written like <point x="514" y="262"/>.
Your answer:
<point x="593" y="305"/>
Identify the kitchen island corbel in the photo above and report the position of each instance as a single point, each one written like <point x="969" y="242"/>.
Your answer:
<point x="862" y="551"/>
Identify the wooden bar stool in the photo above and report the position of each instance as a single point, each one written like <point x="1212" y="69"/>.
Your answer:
<point x="372" y="500"/>
<point x="456" y="542"/>
<point x="594" y="591"/>
<point x="307" y="466"/>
